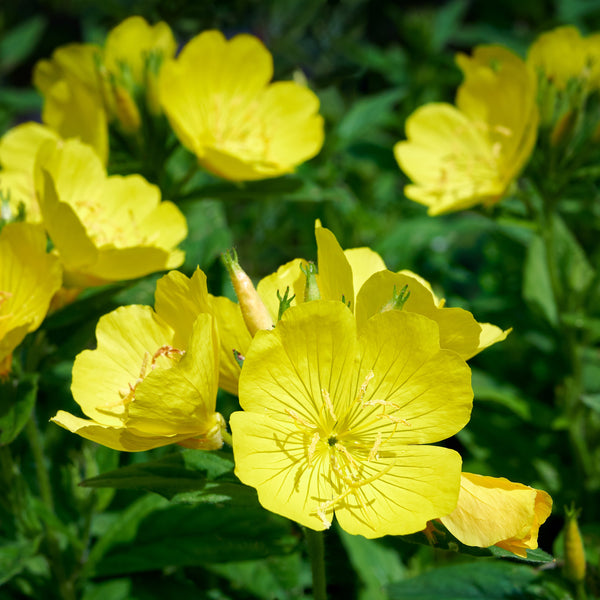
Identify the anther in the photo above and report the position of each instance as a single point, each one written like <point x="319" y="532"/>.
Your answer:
<point x="328" y="403"/>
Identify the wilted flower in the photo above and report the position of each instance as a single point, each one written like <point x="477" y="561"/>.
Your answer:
<point x="29" y="277"/>
<point x="104" y="228"/>
<point x="149" y="383"/>
<point x="461" y="156"/>
<point x="239" y="125"/>
<point x="85" y="87"/>
<point x="334" y="422"/>
<point x="495" y="511"/>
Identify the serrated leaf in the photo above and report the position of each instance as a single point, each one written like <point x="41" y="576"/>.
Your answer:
<point x="17" y="398"/>
<point x="482" y="580"/>
<point x="178" y="473"/>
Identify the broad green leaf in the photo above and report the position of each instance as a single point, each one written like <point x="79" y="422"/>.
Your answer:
<point x="153" y="534"/>
<point x="533" y="556"/>
<point x="376" y="565"/>
<point x="592" y="401"/>
<point x="272" y="578"/>
<point x="367" y="114"/>
<point x="486" y="388"/>
<point x="186" y="471"/>
<point x="17" y="398"/>
<point x="537" y="286"/>
<point x="14" y="556"/>
<point x="208" y="234"/>
<point x="481" y="580"/>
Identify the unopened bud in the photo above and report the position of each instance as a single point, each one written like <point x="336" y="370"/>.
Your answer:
<point x="574" y="568"/>
<point x="311" y="289"/>
<point x="126" y="110"/>
<point x="563" y="128"/>
<point x="255" y="313"/>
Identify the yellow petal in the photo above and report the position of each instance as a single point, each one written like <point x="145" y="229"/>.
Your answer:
<point x="127" y="338"/>
<point x="286" y="483"/>
<point x="494" y="510"/>
<point x="19" y="145"/>
<point x="407" y="489"/>
<point x="419" y="393"/>
<point x="181" y="400"/>
<point x="288" y="275"/>
<point x="335" y="279"/>
<point x="117" y="438"/>
<point x="234" y="335"/>
<point x="364" y="262"/>
<point x="29" y="277"/>
<point x="132" y="40"/>
<point x="459" y="331"/>
<point x="313" y="348"/>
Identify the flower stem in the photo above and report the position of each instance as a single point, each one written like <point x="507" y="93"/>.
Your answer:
<point x="65" y="586"/>
<point x="316" y="552"/>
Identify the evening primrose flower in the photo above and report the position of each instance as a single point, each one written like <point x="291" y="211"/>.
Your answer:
<point x="240" y="126"/>
<point x="495" y="511"/>
<point x="337" y="422"/>
<point x="104" y="228"/>
<point x="85" y="87"/>
<point x="147" y="385"/>
<point x="461" y="156"/>
<point x="29" y="277"/>
<point x="18" y="149"/>
<point x="562" y="55"/>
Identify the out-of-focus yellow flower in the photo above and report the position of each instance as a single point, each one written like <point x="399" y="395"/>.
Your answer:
<point x="29" y="277"/>
<point x="359" y="277"/>
<point x="334" y="421"/>
<point x="104" y="228"/>
<point x="85" y="86"/>
<point x="18" y="148"/>
<point x="152" y="380"/>
<point x="240" y="126"/>
<point x="495" y="511"/>
<point x="461" y="156"/>
<point x="562" y="55"/>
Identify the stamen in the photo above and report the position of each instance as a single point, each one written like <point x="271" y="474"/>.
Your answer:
<point x="373" y="455"/>
<point x="298" y="419"/>
<point x="394" y="419"/>
<point x="363" y="387"/>
<point x="328" y="403"/>
<point x="313" y="446"/>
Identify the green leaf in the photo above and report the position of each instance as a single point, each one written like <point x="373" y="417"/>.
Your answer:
<point x="17" y="44"/>
<point x="367" y="114"/>
<point x="17" y="398"/>
<point x="14" y="557"/>
<point x="186" y="471"/>
<point x="273" y="578"/>
<point x="592" y="401"/>
<point x="208" y="233"/>
<point x="533" y="556"/>
<point x="376" y="565"/>
<point x="448" y="20"/>
<point x="153" y="534"/>
<point x="488" y="389"/>
<point x="537" y="287"/>
<point x="482" y="580"/>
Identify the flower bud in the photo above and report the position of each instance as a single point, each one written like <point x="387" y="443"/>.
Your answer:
<point x="255" y="313"/>
<point x="574" y="568"/>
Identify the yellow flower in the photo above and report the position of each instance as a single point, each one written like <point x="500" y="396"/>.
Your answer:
<point x="85" y="87"/>
<point x="360" y="277"/>
<point x="104" y="228"/>
<point x="18" y="148"/>
<point x="334" y="422"/>
<point x="29" y="277"/>
<point x="495" y="511"/>
<point x="461" y="156"/>
<point x="562" y="55"/>
<point x="149" y="383"/>
<point x="240" y="126"/>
